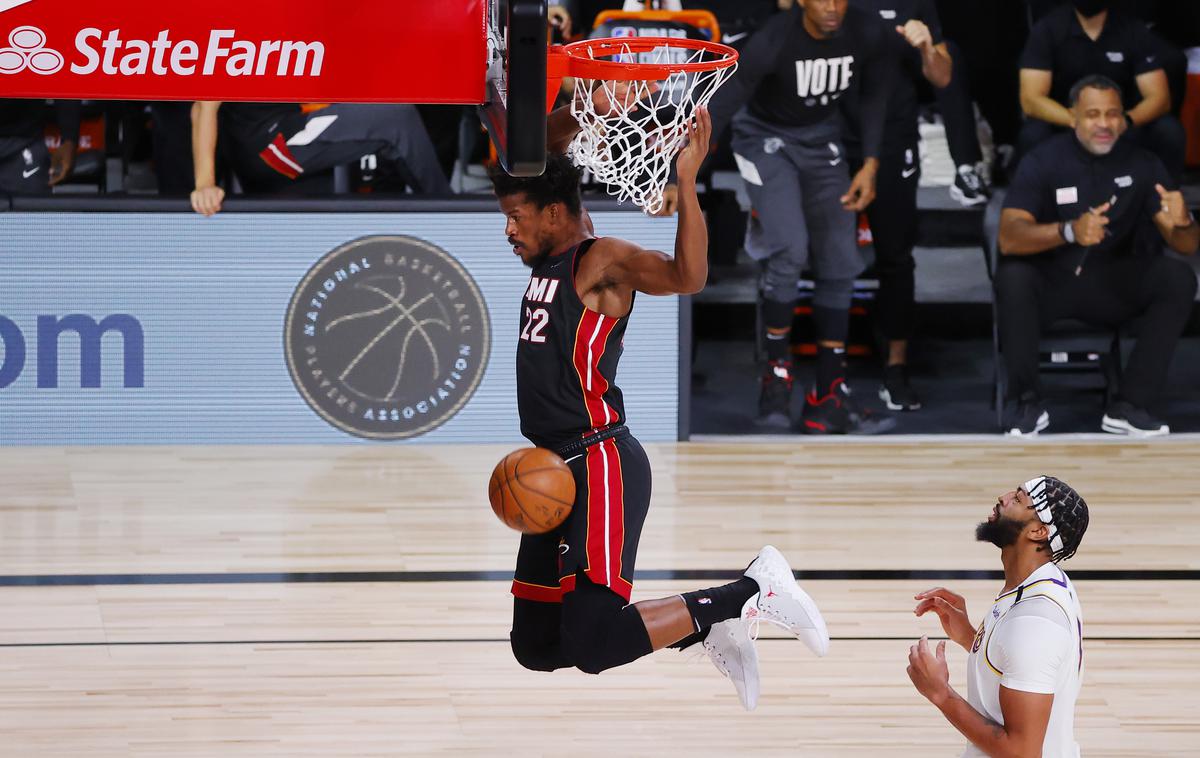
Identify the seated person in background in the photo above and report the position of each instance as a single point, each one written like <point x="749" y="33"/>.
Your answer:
<point x="1087" y="38"/>
<point x="270" y="142"/>
<point x="26" y="165"/>
<point x="1077" y="241"/>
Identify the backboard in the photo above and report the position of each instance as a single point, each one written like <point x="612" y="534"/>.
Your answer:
<point x="515" y="109"/>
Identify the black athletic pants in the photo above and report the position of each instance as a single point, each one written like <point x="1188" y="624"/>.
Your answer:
<point x="893" y="219"/>
<point x="1035" y="290"/>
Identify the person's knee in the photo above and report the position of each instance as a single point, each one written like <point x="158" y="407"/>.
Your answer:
<point x="780" y="277"/>
<point x="1016" y="281"/>
<point x="1175" y="281"/>
<point x="536" y="635"/>
<point x="599" y="630"/>
<point x="833" y="293"/>
<point x="535" y="655"/>
<point x="899" y="263"/>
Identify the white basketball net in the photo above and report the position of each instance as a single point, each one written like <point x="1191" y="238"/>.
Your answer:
<point x="630" y="146"/>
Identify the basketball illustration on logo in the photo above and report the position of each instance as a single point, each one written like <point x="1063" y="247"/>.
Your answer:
<point x="387" y="337"/>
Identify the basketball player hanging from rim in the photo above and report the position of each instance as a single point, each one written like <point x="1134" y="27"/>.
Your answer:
<point x="572" y="586"/>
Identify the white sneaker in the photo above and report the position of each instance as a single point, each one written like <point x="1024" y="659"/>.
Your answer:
<point x="731" y="650"/>
<point x="780" y="601"/>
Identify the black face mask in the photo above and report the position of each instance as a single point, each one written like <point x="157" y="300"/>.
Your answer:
<point x="1089" y="8"/>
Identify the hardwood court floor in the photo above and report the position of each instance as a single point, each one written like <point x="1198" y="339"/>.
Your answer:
<point x="353" y="600"/>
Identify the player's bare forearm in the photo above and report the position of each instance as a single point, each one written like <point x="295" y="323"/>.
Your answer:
<point x="691" y="240"/>
<point x="1150" y="108"/>
<point x="1184" y="240"/>
<point x="936" y="65"/>
<point x="561" y="128"/>
<point x="1021" y="234"/>
<point x="1046" y="109"/>
<point x="981" y="731"/>
<point x="204" y="143"/>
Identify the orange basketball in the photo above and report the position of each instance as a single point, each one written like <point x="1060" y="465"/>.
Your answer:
<point x="532" y="490"/>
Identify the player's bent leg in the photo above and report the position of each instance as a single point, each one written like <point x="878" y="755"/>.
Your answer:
<point x="536" y="636"/>
<point x="599" y="631"/>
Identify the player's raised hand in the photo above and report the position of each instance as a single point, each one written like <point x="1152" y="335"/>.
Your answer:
<point x="687" y="163"/>
<point x="951" y="609"/>
<point x="928" y="670"/>
<point x="916" y="33"/>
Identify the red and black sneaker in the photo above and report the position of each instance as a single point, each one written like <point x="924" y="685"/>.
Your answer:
<point x="775" y="402"/>
<point x="838" y="412"/>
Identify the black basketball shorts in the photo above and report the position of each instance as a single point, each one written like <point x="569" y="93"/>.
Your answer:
<point x="600" y="537"/>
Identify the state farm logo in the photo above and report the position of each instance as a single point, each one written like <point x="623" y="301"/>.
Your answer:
<point x="26" y="50"/>
<point x="106" y="52"/>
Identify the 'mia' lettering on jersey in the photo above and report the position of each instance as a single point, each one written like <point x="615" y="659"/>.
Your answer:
<point x="111" y="54"/>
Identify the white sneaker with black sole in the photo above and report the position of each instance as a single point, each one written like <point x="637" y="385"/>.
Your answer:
<point x="731" y="649"/>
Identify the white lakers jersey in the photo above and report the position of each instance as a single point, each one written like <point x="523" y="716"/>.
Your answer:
<point x="1031" y="640"/>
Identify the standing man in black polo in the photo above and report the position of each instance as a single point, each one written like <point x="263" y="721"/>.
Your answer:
<point x="1086" y="38"/>
<point x="789" y="151"/>
<point x="1071" y="248"/>
<point x="916" y="49"/>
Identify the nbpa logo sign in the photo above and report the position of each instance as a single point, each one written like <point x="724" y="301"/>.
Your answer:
<point x="57" y="336"/>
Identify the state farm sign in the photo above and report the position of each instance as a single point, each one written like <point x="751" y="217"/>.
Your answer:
<point x="109" y="53"/>
<point x="319" y="50"/>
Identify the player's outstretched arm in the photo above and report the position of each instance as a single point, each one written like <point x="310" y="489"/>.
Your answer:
<point x="656" y="273"/>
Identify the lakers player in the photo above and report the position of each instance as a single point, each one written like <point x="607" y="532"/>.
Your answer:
<point x="1026" y="657"/>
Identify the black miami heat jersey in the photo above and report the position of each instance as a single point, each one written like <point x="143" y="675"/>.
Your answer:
<point x="567" y="357"/>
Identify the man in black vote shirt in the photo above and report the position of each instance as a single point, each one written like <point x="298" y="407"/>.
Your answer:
<point x="1077" y="242"/>
<point x="788" y="147"/>
<point x="1084" y="38"/>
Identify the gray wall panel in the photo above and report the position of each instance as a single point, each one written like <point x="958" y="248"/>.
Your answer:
<point x="211" y="296"/>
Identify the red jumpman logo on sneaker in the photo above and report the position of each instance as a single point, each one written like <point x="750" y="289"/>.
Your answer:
<point x="770" y="592"/>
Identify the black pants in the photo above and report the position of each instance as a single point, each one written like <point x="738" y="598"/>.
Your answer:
<point x="989" y="36"/>
<point x="172" y="141"/>
<point x="1165" y="137"/>
<point x="24" y="166"/>
<point x="341" y="133"/>
<point x="1036" y="290"/>
<point x="958" y="112"/>
<point x="893" y="220"/>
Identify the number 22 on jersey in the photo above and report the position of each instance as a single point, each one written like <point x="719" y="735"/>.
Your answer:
<point x="535" y="323"/>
